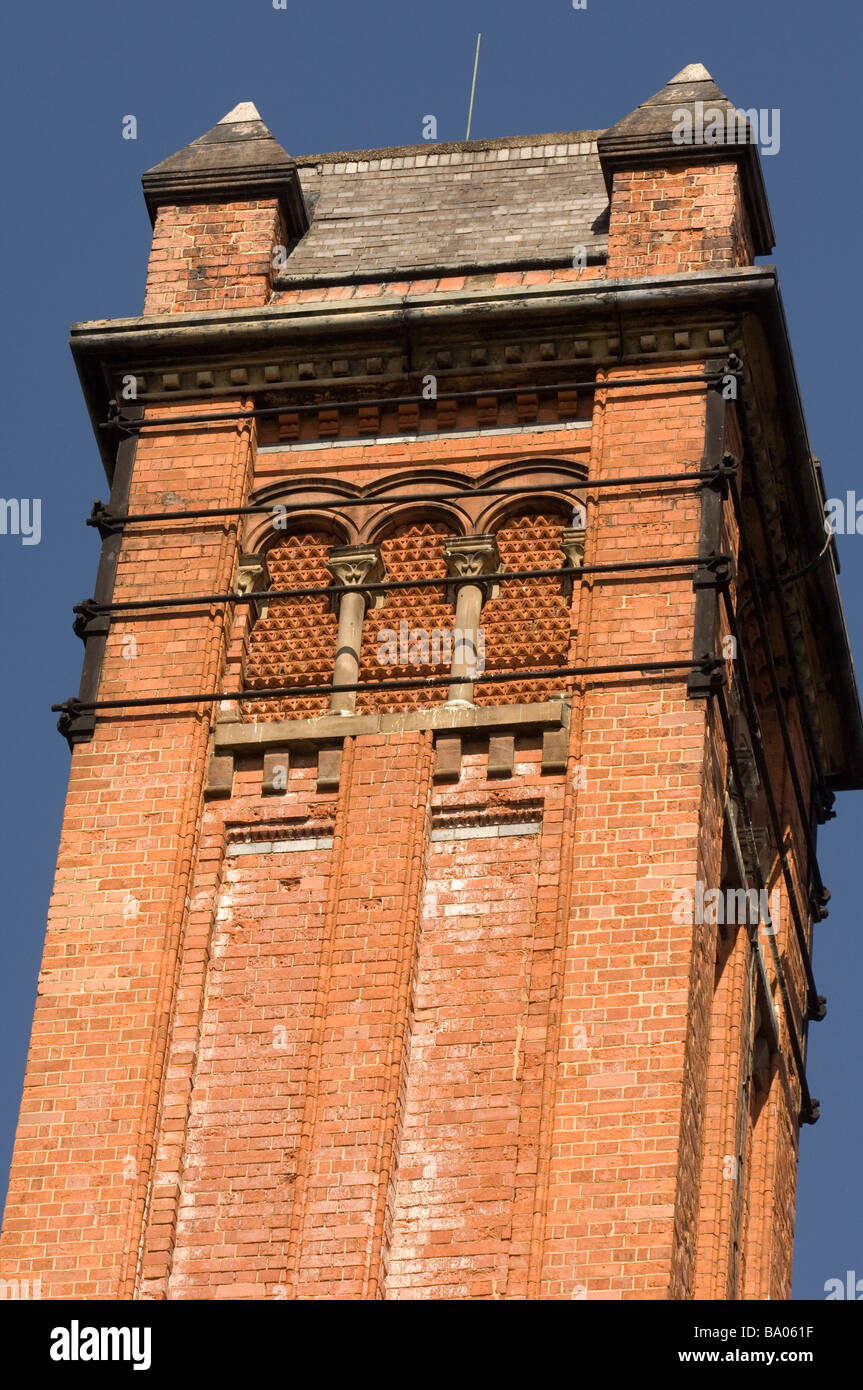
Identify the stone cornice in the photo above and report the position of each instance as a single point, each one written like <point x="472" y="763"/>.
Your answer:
<point x="595" y="296"/>
<point x="214" y="187"/>
<point x="226" y="341"/>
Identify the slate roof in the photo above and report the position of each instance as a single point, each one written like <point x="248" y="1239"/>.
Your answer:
<point x="496" y="202"/>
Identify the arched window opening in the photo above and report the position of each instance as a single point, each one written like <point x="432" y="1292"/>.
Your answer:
<point x="528" y="626"/>
<point x="295" y="642"/>
<point x="410" y="636"/>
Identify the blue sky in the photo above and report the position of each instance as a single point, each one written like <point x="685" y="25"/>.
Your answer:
<point x="340" y="76"/>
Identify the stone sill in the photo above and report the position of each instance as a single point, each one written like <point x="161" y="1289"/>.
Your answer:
<point x="238" y="737"/>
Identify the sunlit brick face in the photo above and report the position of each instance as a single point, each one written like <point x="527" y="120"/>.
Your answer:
<point x="477" y="1035"/>
<point x="253" y="1071"/>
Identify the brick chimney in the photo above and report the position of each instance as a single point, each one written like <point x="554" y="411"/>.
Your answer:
<point x="685" y="183"/>
<point x="219" y="207"/>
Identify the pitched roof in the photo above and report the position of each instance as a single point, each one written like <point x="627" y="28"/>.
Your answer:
<point x="240" y="140"/>
<point x="654" y="116"/>
<point x="239" y="157"/>
<point x="496" y="202"/>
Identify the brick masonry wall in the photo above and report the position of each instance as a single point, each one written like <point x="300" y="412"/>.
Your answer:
<point x="322" y="1010"/>
<point x="464" y="1189"/>
<point x="621" y="1151"/>
<point x="296" y="640"/>
<point x="105" y="994"/>
<point x="689" y="217"/>
<point x="530" y="624"/>
<point x="208" y="258"/>
<point x="483" y="1199"/>
<point x="412" y="550"/>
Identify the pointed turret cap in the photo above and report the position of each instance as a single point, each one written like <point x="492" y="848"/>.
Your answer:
<point x="647" y="137"/>
<point x="237" y="160"/>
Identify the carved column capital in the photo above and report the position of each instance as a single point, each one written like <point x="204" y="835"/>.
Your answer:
<point x="354" y="566"/>
<point x="253" y="577"/>
<point x="473" y="557"/>
<point x="572" y="545"/>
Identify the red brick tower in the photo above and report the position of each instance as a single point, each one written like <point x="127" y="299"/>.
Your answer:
<point x="464" y="657"/>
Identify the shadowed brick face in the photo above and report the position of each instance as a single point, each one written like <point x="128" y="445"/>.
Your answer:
<point x="394" y="1002"/>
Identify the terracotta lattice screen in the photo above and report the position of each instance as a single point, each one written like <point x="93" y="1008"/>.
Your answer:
<point x="412" y="551"/>
<point x="296" y="641"/>
<point x="528" y="625"/>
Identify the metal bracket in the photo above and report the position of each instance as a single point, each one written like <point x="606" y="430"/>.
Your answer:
<point x="818" y="902"/>
<point x="812" y="1113"/>
<point x="75" y="723"/>
<point x="822" y="801"/>
<point x="706" y="678"/>
<point x="714" y="572"/>
<point x="717" y="476"/>
<point x="102" y="518"/>
<point x="86" y="613"/>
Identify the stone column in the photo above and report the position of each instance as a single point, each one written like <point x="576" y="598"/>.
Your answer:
<point x="354" y="565"/>
<point x="469" y="556"/>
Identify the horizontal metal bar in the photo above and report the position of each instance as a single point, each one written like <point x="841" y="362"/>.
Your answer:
<point x="73" y="706"/>
<point x="99" y="515"/>
<point x="90" y="609"/>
